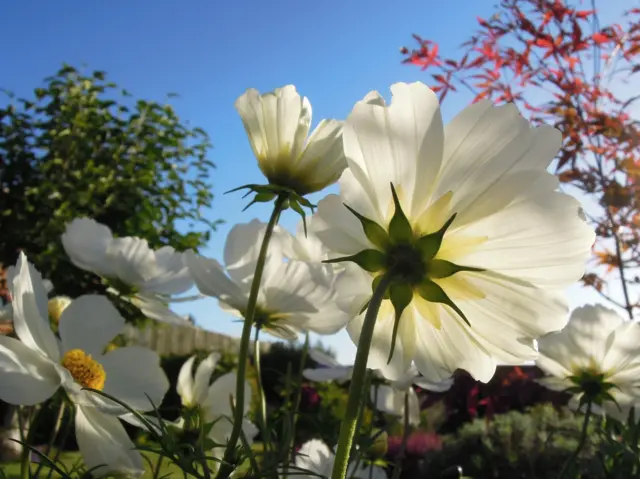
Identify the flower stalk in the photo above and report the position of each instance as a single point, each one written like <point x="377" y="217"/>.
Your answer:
<point x="583" y="438"/>
<point x="356" y="389"/>
<point x="245" y="339"/>
<point x="397" y="468"/>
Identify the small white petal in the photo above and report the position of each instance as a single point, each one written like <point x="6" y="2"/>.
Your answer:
<point x="184" y="386"/>
<point x="203" y="376"/>
<point x="315" y="456"/>
<point x="154" y="307"/>
<point x="86" y="243"/>
<point x="328" y="374"/>
<point x="171" y="275"/>
<point x="212" y="280"/>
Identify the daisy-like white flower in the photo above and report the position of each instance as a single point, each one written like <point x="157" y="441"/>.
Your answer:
<point x="315" y="456"/>
<point x="597" y="357"/>
<point x="294" y="296"/>
<point x="465" y="221"/>
<point x="277" y="124"/>
<point x="33" y="368"/>
<point x="148" y="278"/>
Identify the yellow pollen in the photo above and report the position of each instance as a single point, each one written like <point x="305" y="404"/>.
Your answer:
<point x="56" y="307"/>
<point x="85" y="370"/>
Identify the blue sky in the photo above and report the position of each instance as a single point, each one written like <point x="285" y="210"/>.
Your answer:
<point x="210" y="52"/>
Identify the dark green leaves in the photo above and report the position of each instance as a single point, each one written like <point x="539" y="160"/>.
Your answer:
<point x="372" y="230"/>
<point x="370" y="260"/>
<point x="430" y="244"/>
<point x="433" y="293"/>
<point x="401" y="295"/>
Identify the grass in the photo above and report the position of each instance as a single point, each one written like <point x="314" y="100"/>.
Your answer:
<point x="11" y="470"/>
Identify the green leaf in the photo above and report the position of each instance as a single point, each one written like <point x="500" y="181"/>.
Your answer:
<point x="401" y="295"/>
<point x="400" y="229"/>
<point x="372" y="230"/>
<point x="370" y="260"/>
<point x="433" y="293"/>
<point x="430" y="244"/>
<point x="439" y="268"/>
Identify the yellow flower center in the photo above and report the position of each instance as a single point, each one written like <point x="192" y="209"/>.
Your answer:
<point x="85" y="370"/>
<point x="56" y="307"/>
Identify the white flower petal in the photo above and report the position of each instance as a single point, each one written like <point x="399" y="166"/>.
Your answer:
<point x="154" y="307"/>
<point x="89" y="323"/>
<point x="221" y="392"/>
<point x="134" y="260"/>
<point x="322" y="161"/>
<point x="323" y="358"/>
<point x="30" y="314"/>
<point x="171" y="275"/>
<point x="135" y="377"/>
<point x="328" y="374"/>
<point x="315" y="456"/>
<point x="203" y="376"/>
<point x="184" y="386"/>
<point x="103" y="441"/>
<point x="212" y="280"/>
<point x="86" y="243"/>
<point x="26" y="376"/>
<point x="401" y="144"/>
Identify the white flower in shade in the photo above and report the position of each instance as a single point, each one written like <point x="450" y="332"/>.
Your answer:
<point x="329" y="370"/>
<point x="315" y="456"/>
<point x="481" y="241"/>
<point x="294" y="296"/>
<point x="33" y="368"/>
<point x="597" y="353"/>
<point x="277" y="124"/>
<point x="392" y="398"/>
<point x="151" y="276"/>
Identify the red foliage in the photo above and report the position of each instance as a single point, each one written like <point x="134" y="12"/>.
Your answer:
<point x="561" y="67"/>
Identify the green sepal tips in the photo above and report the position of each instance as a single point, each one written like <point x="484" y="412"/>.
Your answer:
<point x="401" y="295"/>
<point x="433" y="293"/>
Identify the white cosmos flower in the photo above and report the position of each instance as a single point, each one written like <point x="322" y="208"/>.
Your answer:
<point x="315" y="456"/>
<point x="277" y="124"/>
<point x="329" y="370"/>
<point x="488" y="166"/>
<point x="294" y="296"/>
<point x="153" y="275"/>
<point x="597" y="341"/>
<point x="34" y="367"/>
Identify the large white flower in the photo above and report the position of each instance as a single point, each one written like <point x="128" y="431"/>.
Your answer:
<point x="33" y="368"/>
<point x="277" y="124"/>
<point x="294" y="296"/>
<point x="596" y="347"/>
<point x="153" y="276"/>
<point x="315" y="456"/>
<point x="488" y="168"/>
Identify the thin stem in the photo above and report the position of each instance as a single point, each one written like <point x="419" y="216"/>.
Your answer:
<point x="298" y="398"/>
<point x="63" y="436"/>
<point x="25" y="473"/>
<point x="354" y="451"/>
<point x="54" y="434"/>
<point x="583" y="438"/>
<point x="356" y="396"/>
<point x="262" y="416"/>
<point x="245" y="339"/>
<point x="156" y="471"/>
<point x="397" y="469"/>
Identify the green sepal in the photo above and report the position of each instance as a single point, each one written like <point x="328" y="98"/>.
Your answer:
<point x="433" y="293"/>
<point x="439" y="268"/>
<point x="265" y="197"/>
<point x="372" y="230"/>
<point x="430" y="244"/>
<point x="401" y="295"/>
<point x="370" y="260"/>
<point x="267" y="193"/>
<point x="295" y="206"/>
<point x="400" y="230"/>
<point x="376" y="282"/>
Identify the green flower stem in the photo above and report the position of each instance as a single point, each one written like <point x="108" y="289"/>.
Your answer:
<point x="245" y="339"/>
<point x="262" y="400"/>
<point x="583" y="438"/>
<point x="356" y="389"/>
<point x="298" y="398"/>
<point x="54" y="434"/>
<point x="397" y="468"/>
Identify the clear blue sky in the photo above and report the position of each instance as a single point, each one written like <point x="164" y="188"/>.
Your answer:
<point x="211" y="51"/>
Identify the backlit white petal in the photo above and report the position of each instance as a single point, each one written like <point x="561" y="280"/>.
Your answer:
<point x="211" y="280"/>
<point x="103" y="442"/>
<point x="328" y="374"/>
<point x="171" y="275"/>
<point x="184" y="386"/>
<point x="89" y="323"/>
<point x="203" y="376"/>
<point x="26" y="376"/>
<point x="30" y="315"/>
<point x="338" y="228"/>
<point x="85" y="242"/>
<point x="156" y="308"/>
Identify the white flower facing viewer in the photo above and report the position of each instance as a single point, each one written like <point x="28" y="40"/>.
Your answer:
<point x="151" y="276"/>
<point x="294" y="296"/>
<point x="277" y="124"/>
<point x="34" y="367"/>
<point x="597" y="353"/>
<point x="477" y="240"/>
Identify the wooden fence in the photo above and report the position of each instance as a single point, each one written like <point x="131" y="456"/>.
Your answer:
<point x="168" y="339"/>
